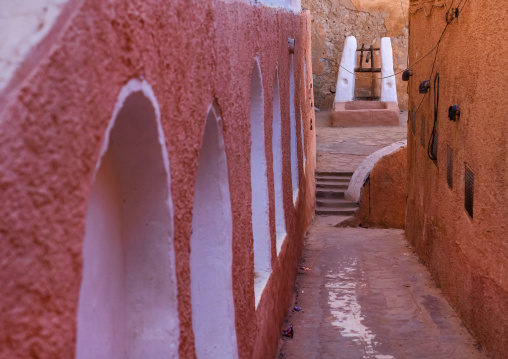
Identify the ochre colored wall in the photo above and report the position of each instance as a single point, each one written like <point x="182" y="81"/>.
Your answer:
<point x="368" y="21"/>
<point x="53" y="118"/>
<point x="383" y="200"/>
<point x="468" y="257"/>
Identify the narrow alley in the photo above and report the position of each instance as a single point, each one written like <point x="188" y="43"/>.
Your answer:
<point x="253" y="179"/>
<point x="363" y="292"/>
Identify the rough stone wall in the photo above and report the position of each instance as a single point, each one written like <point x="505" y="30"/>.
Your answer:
<point x="368" y="21"/>
<point x="466" y="254"/>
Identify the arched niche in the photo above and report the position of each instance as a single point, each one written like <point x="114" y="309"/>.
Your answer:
<point x="292" y="117"/>
<point x="258" y="172"/>
<point x="127" y="303"/>
<point x="280" y="220"/>
<point x="301" y="113"/>
<point x="211" y="257"/>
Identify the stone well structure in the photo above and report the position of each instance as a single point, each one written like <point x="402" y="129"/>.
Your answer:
<point x="368" y="20"/>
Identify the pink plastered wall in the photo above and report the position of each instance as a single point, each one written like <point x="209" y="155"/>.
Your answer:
<point x="53" y="119"/>
<point x="464" y="247"/>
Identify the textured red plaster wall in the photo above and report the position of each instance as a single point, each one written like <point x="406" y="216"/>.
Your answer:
<point x="52" y="123"/>
<point x="383" y="200"/>
<point x="468" y="257"/>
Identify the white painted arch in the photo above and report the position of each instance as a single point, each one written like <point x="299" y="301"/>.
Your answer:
<point x="280" y="220"/>
<point x="211" y="257"/>
<point x="127" y="302"/>
<point x="258" y="173"/>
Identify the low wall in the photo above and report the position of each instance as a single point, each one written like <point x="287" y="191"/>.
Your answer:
<point x="383" y="200"/>
<point x="379" y="185"/>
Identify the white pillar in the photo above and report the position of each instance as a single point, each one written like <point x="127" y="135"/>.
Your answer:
<point x="345" y="90"/>
<point x="388" y="85"/>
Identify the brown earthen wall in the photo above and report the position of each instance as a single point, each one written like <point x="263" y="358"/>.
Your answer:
<point x="53" y="118"/>
<point x="368" y="21"/>
<point x="383" y="199"/>
<point x="468" y="256"/>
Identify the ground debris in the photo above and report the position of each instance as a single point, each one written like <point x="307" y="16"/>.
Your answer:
<point x="288" y="332"/>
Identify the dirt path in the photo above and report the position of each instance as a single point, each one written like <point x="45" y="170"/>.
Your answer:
<point x="365" y="295"/>
<point x="345" y="148"/>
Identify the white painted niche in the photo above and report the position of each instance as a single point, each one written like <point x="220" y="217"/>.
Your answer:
<point x="211" y="257"/>
<point x="280" y="220"/>
<point x="127" y="302"/>
<point x="292" y="117"/>
<point x="301" y="114"/>
<point x="303" y="140"/>
<point x="258" y="175"/>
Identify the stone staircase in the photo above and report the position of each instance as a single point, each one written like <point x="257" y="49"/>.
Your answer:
<point x="330" y="189"/>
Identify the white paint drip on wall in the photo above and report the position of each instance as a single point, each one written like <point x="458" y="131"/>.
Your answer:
<point x="345" y="90"/>
<point x="127" y="304"/>
<point x="347" y="311"/>
<point x="258" y="172"/>
<point x="23" y="24"/>
<point x="211" y="257"/>
<point x="280" y="220"/>
<point x="292" y="117"/>
<point x="388" y="85"/>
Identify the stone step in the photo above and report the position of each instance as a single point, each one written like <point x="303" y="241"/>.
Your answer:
<point x="344" y="179"/>
<point x="332" y="185"/>
<point x="335" y="174"/>
<point x="335" y="203"/>
<point x="330" y="193"/>
<point x="335" y="212"/>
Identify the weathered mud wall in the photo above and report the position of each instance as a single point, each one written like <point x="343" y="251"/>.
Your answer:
<point x="467" y="253"/>
<point x="368" y="21"/>
<point x="383" y="200"/>
<point x="54" y="115"/>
